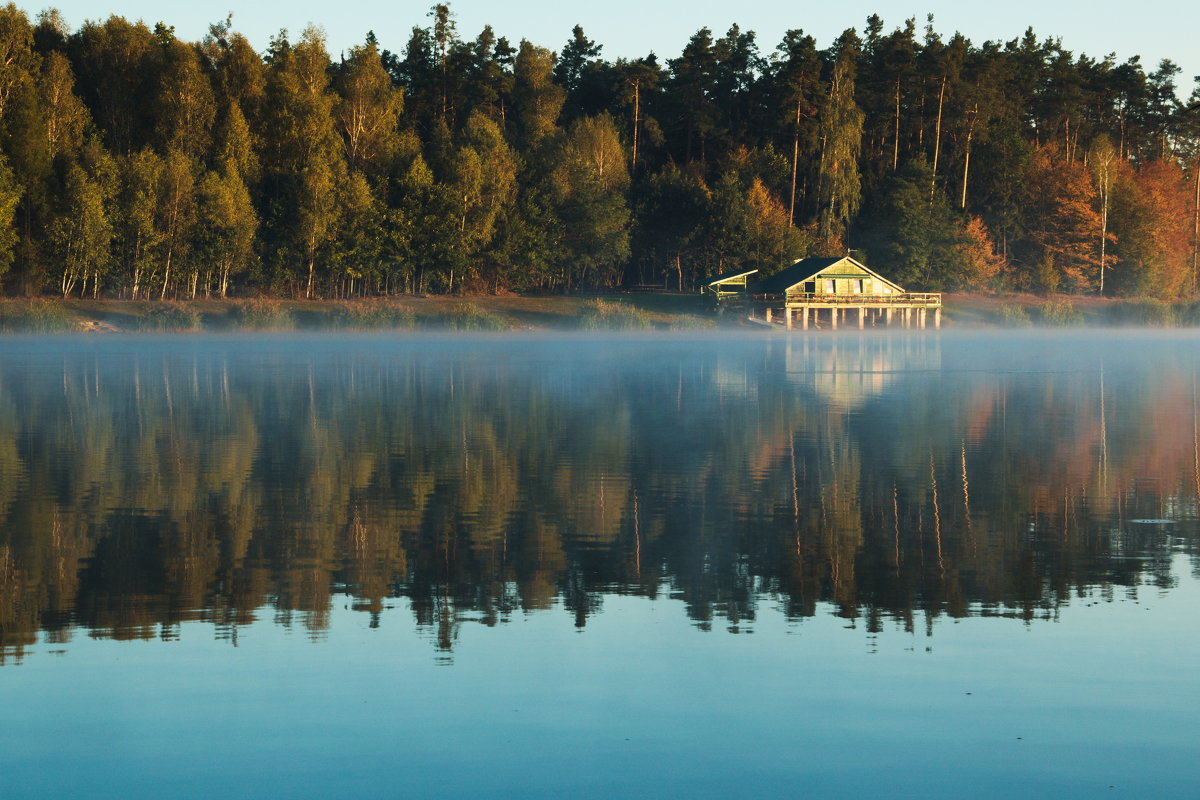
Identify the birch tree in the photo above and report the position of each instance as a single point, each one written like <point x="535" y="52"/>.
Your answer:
<point x="839" y="182"/>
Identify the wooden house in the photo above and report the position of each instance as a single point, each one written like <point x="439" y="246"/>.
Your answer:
<point x="837" y="286"/>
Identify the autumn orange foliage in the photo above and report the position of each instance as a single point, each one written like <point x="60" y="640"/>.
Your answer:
<point x="1153" y="222"/>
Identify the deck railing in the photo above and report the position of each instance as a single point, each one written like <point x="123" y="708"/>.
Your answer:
<point x="911" y="299"/>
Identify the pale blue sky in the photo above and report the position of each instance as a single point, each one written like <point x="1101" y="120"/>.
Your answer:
<point x="1154" y="29"/>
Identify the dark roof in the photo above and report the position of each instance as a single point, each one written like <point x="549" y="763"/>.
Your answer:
<point x="788" y="277"/>
<point x="806" y="269"/>
<point x="725" y="276"/>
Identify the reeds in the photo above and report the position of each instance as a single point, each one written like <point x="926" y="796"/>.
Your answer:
<point x="1014" y="316"/>
<point x="598" y="314"/>
<point x="262" y="314"/>
<point x="1147" y="313"/>
<point x="171" y="317"/>
<point x="1060" y="314"/>
<point x="35" y="316"/>
<point x="377" y="316"/>
<point x="470" y="317"/>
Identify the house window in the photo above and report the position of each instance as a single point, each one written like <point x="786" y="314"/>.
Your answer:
<point x="830" y="286"/>
<point x="810" y="287"/>
<point x="858" y="285"/>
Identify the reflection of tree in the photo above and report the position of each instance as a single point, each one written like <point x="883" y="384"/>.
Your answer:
<point x="138" y="492"/>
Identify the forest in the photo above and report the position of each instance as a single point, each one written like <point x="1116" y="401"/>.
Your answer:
<point x="137" y="165"/>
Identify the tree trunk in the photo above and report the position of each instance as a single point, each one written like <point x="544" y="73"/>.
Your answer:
<point x="921" y="121"/>
<point x="1121" y="127"/>
<point x="637" y="98"/>
<point x="937" y="135"/>
<point x="137" y="266"/>
<point x="1103" y="234"/>
<point x="166" y="275"/>
<point x="896" y="132"/>
<point x="795" y="161"/>
<point x="967" y="159"/>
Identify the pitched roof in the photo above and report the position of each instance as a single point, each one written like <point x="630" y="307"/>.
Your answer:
<point x="806" y="269"/>
<point x="728" y="276"/>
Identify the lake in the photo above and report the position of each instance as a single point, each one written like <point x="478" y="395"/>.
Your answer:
<point x="911" y="565"/>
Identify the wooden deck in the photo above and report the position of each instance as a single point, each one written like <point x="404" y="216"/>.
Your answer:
<point x="908" y="310"/>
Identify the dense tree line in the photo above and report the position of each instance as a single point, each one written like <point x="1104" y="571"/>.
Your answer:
<point x="135" y="164"/>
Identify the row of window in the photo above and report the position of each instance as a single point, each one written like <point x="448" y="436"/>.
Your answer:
<point x="857" y="286"/>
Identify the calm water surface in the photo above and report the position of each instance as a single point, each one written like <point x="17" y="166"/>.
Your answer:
<point x="924" y="566"/>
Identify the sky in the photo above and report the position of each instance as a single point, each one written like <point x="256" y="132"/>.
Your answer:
<point x="1153" y="29"/>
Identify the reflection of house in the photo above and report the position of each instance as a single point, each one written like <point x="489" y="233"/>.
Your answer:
<point x="837" y="285"/>
<point x="847" y="373"/>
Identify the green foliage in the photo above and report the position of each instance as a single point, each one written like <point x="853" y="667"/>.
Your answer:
<point x="262" y="314"/>
<point x="589" y="188"/>
<point x="1151" y="312"/>
<point x="171" y="317"/>
<point x="1060" y="313"/>
<point x="470" y="317"/>
<point x="139" y="165"/>
<point x="537" y="98"/>
<point x="839" y="180"/>
<point x="599" y="314"/>
<point x="363" y="316"/>
<point x="672" y="212"/>
<point x="10" y="195"/>
<point x="922" y="240"/>
<point x="34" y="316"/>
<point x="1013" y="316"/>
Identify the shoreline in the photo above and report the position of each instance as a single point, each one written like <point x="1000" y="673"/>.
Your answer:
<point x="646" y="311"/>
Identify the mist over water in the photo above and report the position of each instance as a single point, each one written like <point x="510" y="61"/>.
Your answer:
<point x="572" y="529"/>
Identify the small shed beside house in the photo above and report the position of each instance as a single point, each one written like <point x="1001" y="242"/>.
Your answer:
<point x="728" y="283"/>
<point x="837" y="285"/>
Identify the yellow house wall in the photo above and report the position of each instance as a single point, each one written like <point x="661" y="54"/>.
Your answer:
<point x="845" y="286"/>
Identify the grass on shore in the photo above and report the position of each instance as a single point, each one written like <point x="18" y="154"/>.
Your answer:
<point x="629" y="312"/>
<point x="480" y="313"/>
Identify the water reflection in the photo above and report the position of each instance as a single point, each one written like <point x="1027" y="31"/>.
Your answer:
<point x="891" y="480"/>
